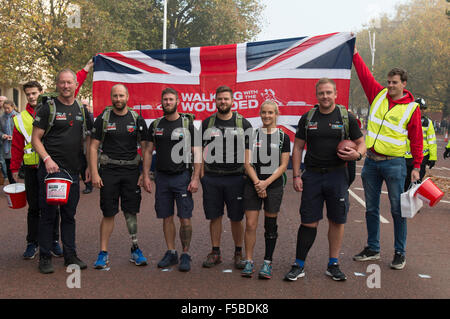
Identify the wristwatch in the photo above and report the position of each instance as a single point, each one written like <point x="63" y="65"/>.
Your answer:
<point x="360" y="156"/>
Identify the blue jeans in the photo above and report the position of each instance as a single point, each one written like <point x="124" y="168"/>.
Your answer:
<point x="393" y="172"/>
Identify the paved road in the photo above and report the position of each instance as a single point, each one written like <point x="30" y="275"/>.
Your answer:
<point x="428" y="256"/>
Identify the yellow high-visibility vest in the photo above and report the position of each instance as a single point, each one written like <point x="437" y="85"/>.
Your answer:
<point x="24" y="124"/>
<point x="387" y="128"/>
<point x="429" y="140"/>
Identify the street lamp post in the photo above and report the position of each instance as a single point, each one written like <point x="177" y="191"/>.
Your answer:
<point x="372" y="47"/>
<point x="165" y="25"/>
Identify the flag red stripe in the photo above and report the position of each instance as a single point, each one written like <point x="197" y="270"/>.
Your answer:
<point x="302" y="47"/>
<point x="135" y="63"/>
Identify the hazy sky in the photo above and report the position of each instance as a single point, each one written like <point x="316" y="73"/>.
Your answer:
<point x="293" y="18"/>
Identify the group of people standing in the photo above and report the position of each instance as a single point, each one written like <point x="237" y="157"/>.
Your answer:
<point x="238" y="167"/>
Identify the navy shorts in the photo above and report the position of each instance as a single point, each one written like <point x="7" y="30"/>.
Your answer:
<point x="220" y="190"/>
<point x="119" y="183"/>
<point x="172" y="189"/>
<point x="330" y="188"/>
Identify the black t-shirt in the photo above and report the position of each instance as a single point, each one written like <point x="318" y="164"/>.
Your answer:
<point x="324" y="135"/>
<point x="65" y="139"/>
<point x="263" y="145"/>
<point x="232" y="157"/>
<point x="121" y="137"/>
<point x="166" y="136"/>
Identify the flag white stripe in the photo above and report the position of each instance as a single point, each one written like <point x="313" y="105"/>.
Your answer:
<point x="281" y="53"/>
<point x="149" y="61"/>
<point x="294" y="74"/>
<point x="313" y="52"/>
<point x="146" y="78"/>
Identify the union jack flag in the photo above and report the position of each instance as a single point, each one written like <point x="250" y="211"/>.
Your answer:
<point x="283" y="70"/>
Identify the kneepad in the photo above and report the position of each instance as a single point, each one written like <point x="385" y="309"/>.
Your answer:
<point x="271" y="228"/>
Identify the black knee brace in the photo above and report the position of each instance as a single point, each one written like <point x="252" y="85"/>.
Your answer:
<point x="270" y="227"/>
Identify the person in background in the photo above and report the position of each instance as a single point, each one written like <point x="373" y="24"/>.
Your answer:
<point x="6" y="134"/>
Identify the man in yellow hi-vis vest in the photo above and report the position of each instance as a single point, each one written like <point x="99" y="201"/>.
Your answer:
<point x="429" y="147"/>
<point x="447" y="150"/>
<point x="22" y="152"/>
<point x="394" y="117"/>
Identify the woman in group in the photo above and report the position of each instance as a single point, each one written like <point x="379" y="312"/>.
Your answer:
<point x="266" y="160"/>
<point x="6" y="131"/>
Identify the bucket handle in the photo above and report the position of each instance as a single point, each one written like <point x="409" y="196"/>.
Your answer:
<point x="71" y="179"/>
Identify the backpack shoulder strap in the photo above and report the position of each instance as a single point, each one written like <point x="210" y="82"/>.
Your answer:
<point x="344" y="115"/>
<point x="83" y="114"/>
<point x="239" y="120"/>
<point x="212" y="120"/>
<point x="309" y="117"/>
<point x="51" y="115"/>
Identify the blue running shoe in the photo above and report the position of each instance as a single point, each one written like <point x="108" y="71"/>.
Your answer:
<point x="102" y="260"/>
<point x="31" y="251"/>
<point x="56" y="249"/>
<point x="137" y="257"/>
<point x="248" y="270"/>
<point x="265" y="271"/>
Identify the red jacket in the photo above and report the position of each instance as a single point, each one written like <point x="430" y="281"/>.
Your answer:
<point x="372" y="88"/>
<point x="18" y="140"/>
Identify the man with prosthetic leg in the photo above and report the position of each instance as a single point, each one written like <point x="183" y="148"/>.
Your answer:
<point x="118" y="131"/>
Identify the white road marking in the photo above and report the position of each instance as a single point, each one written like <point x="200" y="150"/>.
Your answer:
<point x="359" y="200"/>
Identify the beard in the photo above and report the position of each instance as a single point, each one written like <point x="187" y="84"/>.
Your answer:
<point x="120" y="105"/>
<point x="224" y="109"/>
<point x="168" y="111"/>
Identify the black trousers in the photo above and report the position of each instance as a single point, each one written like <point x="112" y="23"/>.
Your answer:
<point x="49" y="213"/>
<point x="34" y="213"/>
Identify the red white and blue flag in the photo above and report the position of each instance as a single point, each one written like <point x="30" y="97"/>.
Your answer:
<point x="283" y="70"/>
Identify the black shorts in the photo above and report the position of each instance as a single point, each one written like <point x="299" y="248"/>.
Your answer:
<point x="331" y="188"/>
<point x="172" y="189"/>
<point x="119" y="183"/>
<point x="220" y="190"/>
<point x="272" y="202"/>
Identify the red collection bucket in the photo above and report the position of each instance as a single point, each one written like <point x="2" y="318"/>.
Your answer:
<point x="429" y="192"/>
<point x="58" y="188"/>
<point x="15" y="195"/>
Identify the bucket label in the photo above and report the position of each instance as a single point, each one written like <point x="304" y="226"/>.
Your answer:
<point x="426" y="200"/>
<point x="56" y="190"/>
<point x="9" y="201"/>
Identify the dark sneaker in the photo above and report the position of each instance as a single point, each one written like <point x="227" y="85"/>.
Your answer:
<point x="399" y="261"/>
<point x="367" y="254"/>
<point x="30" y="251"/>
<point x="335" y="273"/>
<point x="45" y="264"/>
<point x="266" y="271"/>
<point x="74" y="260"/>
<point x="248" y="270"/>
<point x="239" y="263"/>
<point x="56" y="249"/>
<point x="185" y="262"/>
<point x="88" y="189"/>
<point x="212" y="259"/>
<point x="295" y="273"/>
<point x="168" y="260"/>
